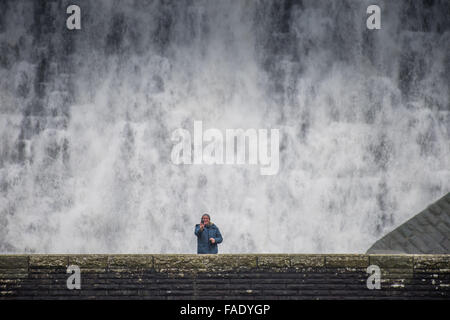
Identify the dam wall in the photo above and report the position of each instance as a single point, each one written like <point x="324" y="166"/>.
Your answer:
<point x="225" y="276"/>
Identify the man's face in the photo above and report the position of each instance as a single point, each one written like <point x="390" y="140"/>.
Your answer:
<point x="205" y="219"/>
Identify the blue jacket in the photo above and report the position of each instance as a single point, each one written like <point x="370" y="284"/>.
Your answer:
<point x="203" y="243"/>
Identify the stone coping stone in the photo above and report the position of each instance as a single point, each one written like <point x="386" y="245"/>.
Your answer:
<point x="13" y="261"/>
<point x="90" y="261"/>
<point x="432" y="261"/>
<point x="392" y="261"/>
<point x="131" y="261"/>
<point x="48" y="261"/>
<point x="347" y="261"/>
<point x="224" y="262"/>
<point x="204" y="262"/>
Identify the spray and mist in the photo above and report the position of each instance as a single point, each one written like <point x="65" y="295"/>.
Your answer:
<point x="86" y="118"/>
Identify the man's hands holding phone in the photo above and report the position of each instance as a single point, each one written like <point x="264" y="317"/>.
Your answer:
<point x="202" y="226"/>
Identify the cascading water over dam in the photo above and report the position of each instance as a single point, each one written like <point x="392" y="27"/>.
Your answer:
<point x="87" y="116"/>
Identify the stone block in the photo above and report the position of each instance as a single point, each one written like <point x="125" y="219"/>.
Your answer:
<point x="13" y="262"/>
<point x="266" y="261"/>
<point x="307" y="260"/>
<point x="392" y="261"/>
<point x="432" y="261"/>
<point x="347" y="261"/>
<point x="89" y="262"/>
<point x="48" y="261"/>
<point x="128" y="261"/>
<point x="201" y="263"/>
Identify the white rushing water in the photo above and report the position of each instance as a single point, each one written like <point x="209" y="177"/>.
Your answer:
<point x="86" y="118"/>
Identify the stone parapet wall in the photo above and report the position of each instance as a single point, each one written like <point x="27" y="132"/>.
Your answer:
<point x="225" y="276"/>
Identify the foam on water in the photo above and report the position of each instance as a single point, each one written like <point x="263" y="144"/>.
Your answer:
<point x="86" y="119"/>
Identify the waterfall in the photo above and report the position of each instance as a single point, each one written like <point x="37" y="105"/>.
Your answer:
<point x="86" y="118"/>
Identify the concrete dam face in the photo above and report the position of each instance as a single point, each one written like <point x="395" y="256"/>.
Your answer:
<point x="91" y="119"/>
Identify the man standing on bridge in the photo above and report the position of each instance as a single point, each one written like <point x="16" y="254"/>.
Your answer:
<point x="208" y="235"/>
